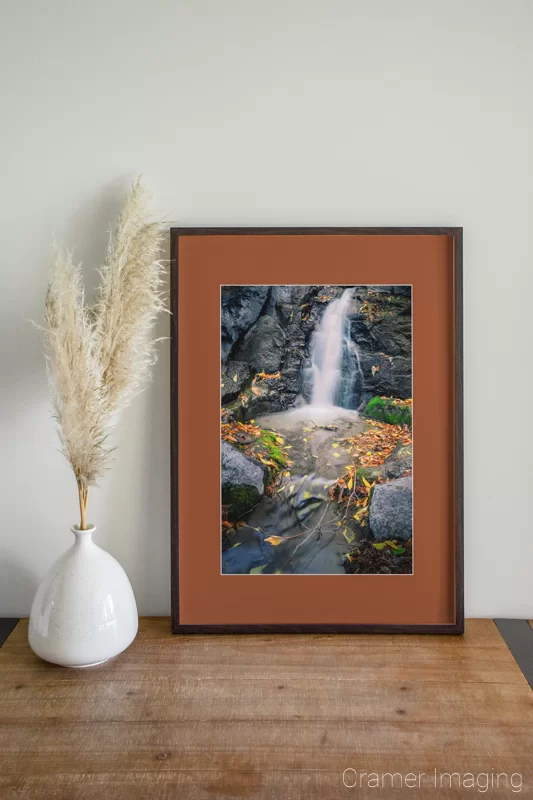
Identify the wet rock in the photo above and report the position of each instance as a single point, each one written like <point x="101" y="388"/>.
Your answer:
<point x="392" y="335"/>
<point x="273" y="398"/>
<point x="391" y="376"/>
<point x="240" y="308"/>
<point x="398" y="463"/>
<point x="236" y="376"/>
<point x="247" y="555"/>
<point x="395" y="466"/>
<point x="262" y="346"/>
<point x="391" y="510"/>
<point x="243" y="481"/>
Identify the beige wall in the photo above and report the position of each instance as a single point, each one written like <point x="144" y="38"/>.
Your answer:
<point x="339" y="112"/>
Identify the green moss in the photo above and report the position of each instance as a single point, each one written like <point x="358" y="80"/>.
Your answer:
<point x="384" y="410"/>
<point x="239" y="499"/>
<point x="268" y="440"/>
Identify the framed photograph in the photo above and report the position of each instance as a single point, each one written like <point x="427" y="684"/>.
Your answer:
<point x="317" y="435"/>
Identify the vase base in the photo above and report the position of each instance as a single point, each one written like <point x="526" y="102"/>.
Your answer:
<point x="84" y="666"/>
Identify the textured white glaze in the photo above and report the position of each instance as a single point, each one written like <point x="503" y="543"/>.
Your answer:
<point x="84" y="611"/>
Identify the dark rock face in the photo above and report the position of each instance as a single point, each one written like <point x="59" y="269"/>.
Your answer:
<point x="234" y="379"/>
<point x="262" y="346"/>
<point x="391" y="375"/>
<point x="241" y="306"/>
<point x="243" y="481"/>
<point x="284" y="301"/>
<point x="383" y="334"/>
<point x="270" y="329"/>
<point x="392" y="335"/>
<point x="275" y="396"/>
<point x="391" y="510"/>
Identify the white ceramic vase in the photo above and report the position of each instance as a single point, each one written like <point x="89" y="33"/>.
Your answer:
<point x="84" y="611"/>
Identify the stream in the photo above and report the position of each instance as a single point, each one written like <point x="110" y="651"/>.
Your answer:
<point x="319" y="456"/>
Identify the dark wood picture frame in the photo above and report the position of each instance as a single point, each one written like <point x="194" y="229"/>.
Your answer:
<point x="457" y="626"/>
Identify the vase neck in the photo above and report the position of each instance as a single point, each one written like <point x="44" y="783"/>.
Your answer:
<point x="85" y="536"/>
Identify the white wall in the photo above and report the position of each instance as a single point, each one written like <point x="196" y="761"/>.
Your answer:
<point x="339" y="112"/>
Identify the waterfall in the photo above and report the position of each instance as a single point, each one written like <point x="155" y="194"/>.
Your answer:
<point x="335" y="369"/>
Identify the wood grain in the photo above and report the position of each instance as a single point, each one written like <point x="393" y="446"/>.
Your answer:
<point x="263" y="716"/>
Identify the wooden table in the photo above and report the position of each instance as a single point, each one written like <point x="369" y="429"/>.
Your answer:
<point x="266" y="717"/>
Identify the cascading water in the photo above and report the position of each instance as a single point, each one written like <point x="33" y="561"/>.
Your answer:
<point x="335" y="369"/>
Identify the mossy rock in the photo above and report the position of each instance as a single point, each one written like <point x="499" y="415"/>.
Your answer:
<point x="239" y="499"/>
<point x="269" y="440"/>
<point x="389" y="410"/>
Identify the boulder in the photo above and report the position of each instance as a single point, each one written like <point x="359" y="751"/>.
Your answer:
<point x="240" y="308"/>
<point x="391" y="510"/>
<point x="262" y="346"/>
<point x="234" y="379"/>
<point x="243" y="481"/>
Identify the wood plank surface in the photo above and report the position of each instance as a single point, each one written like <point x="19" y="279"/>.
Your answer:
<point x="267" y="717"/>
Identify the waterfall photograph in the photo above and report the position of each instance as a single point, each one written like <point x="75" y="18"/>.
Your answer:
<point x="316" y="430"/>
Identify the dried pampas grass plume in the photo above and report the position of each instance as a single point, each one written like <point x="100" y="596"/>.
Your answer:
<point x="129" y="301"/>
<point x="99" y="358"/>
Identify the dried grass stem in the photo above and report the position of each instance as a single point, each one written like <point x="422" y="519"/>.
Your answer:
<point x="100" y="357"/>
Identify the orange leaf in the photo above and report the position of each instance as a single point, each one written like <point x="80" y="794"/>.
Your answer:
<point x="274" y="540"/>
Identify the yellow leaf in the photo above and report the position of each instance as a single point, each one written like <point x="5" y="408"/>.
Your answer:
<point x="349" y="539"/>
<point x="307" y="430"/>
<point x="235" y="378"/>
<point x="350" y="483"/>
<point x="336" y="455"/>
<point x="267" y="462"/>
<point x="286" y="473"/>
<point x="279" y="440"/>
<point x="257" y="570"/>
<point x="335" y="445"/>
<point x="291" y="489"/>
<point x="315" y="456"/>
<point x="252" y="421"/>
<point x="306" y="495"/>
<point x="305" y="440"/>
<point x="274" y="540"/>
<point x="367" y="484"/>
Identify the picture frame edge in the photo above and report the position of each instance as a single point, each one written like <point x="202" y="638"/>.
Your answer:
<point x="453" y="628"/>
